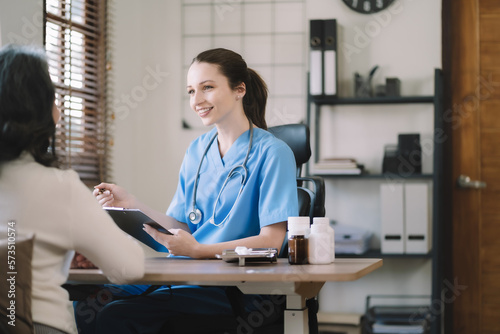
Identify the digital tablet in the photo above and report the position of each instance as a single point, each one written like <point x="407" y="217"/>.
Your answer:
<point x="131" y="221"/>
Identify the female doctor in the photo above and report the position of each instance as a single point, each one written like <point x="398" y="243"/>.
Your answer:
<point x="237" y="187"/>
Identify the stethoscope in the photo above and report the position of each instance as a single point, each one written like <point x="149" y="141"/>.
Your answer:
<point x="195" y="215"/>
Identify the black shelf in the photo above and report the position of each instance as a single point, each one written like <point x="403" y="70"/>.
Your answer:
<point x="376" y="253"/>
<point x="435" y="255"/>
<point x="331" y="100"/>
<point x="377" y="176"/>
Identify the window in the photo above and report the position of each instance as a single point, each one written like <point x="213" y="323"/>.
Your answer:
<point x="75" y="40"/>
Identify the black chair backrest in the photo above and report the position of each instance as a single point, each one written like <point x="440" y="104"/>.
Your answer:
<point x="298" y="138"/>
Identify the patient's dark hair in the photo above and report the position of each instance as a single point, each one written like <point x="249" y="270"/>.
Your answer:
<point x="235" y="69"/>
<point x="26" y="100"/>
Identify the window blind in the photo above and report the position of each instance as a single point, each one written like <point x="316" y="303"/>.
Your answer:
<point x="75" y="41"/>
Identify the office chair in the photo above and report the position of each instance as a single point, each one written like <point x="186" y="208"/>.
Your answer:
<point x="312" y="204"/>
<point x="297" y="136"/>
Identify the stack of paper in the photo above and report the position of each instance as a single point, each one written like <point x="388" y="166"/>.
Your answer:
<point x="338" y="166"/>
<point x="351" y="239"/>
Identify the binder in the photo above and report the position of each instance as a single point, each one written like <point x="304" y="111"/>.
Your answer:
<point x="417" y="218"/>
<point x="316" y="44"/>
<point x="392" y="218"/>
<point x="330" y="57"/>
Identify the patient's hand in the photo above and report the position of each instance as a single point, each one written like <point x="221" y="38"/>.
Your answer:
<point x="81" y="262"/>
<point x="108" y="194"/>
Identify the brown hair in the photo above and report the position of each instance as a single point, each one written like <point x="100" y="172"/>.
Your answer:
<point x="235" y="69"/>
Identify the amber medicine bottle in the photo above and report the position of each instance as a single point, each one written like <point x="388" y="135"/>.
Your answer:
<point x="298" y="242"/>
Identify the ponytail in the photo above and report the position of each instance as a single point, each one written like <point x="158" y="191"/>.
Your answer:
<point x="254" y="101"/>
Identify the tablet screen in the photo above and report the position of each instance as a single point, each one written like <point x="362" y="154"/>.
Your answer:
<point x="131" y="221"/>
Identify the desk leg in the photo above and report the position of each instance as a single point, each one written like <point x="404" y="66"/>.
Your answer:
<point x="296" y="317"/>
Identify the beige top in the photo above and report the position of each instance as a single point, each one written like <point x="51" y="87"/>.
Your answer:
<point x="64" y="216"/>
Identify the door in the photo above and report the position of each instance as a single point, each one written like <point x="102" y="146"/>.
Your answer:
<point x="471" y="62"/>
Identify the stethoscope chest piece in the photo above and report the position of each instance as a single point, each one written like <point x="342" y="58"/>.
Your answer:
<point x="195" y="216"/>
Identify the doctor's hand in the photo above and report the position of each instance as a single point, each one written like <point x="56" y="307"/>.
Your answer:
<point x="181" y="243"/>
<point x="108" y="194"/>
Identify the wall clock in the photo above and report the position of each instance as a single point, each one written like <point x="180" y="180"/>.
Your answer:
<point x="368" y="6"/>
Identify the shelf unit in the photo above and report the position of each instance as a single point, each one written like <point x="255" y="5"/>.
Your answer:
<point x="376" y="176"/>
<point x="435" y="255"/>
<point x="375" y="253"/>
<point x="372" y="100"/>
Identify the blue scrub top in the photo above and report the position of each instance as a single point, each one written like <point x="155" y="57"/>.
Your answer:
<point x="268" y="197"/>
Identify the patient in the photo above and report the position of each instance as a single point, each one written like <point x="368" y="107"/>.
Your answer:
<point x="51" y="203"/>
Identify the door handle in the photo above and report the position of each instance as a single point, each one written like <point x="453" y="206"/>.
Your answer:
<point x="464" y="181"/>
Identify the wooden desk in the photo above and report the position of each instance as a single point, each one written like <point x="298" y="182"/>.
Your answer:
<point x="297" y="282"/>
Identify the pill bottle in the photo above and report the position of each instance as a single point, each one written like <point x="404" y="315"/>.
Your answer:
<point x="319" y="245"/>
<point x="298" y="232"/>
<point x="328" y="246"/>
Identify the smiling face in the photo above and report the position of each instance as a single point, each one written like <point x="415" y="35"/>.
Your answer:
<point x="211" y="97"/>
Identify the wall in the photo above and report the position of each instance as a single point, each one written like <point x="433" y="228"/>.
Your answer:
<point x="21" y="22"/>
<point x="149" y="144"/>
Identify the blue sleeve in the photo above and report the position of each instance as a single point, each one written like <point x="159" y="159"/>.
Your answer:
<point x="177" y="208"/>
<point x="278" y="193"/>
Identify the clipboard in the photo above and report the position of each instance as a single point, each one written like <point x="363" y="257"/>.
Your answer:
<point x="131" y="221"/>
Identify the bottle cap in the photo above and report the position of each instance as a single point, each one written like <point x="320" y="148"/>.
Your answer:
<point x="298" y="225"/>
<point x="321" y="220"/>
<point x="296" y="222"/>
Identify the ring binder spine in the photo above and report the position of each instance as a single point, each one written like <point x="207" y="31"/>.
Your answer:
<point x="316" y="44"/>
<point x="330" y="58"/>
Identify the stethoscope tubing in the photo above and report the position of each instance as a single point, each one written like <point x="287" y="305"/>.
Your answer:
<point x="195" y="215"/>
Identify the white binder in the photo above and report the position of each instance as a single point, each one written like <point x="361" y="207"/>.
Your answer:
<point x="330" y="72"/>
<point x="330" y="57"/>
<point x="417" y="218"/>
<point x="316" y="47"/>
<point x="392" y="218"/>
<point x="316" y="72"/>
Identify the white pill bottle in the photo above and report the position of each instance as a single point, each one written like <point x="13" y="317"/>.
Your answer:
<point x="321" y="242"/>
